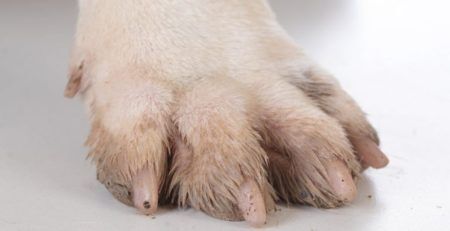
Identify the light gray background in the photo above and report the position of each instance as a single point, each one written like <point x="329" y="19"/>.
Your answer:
<point x="392" y="56"/>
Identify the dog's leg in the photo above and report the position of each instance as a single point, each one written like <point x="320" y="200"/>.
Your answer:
<point x="148" y="71"/>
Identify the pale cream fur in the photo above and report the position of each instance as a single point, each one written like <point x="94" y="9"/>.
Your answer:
<point x="216" y="89"/>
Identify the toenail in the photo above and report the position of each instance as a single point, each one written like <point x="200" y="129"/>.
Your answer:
<point x="303" y="195"/>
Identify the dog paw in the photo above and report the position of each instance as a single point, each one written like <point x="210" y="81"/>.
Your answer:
<point x="233" y="149"/>
<point x="221" y="122"/>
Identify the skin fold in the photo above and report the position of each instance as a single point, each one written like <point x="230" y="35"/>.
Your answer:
<point x="211" y="105"/>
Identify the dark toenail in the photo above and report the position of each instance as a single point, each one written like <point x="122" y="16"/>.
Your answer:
<point x="147" y="205"/>
<point x="303" y="195"/>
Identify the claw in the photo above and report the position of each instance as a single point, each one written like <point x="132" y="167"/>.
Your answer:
<point x="145" y="191"/>
<point x="370" y="153"/>
<point x="251" y="204"/>
<point x="341" y="180"/>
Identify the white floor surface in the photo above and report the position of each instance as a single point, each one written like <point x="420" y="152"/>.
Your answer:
<point x="392" y="56"/>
